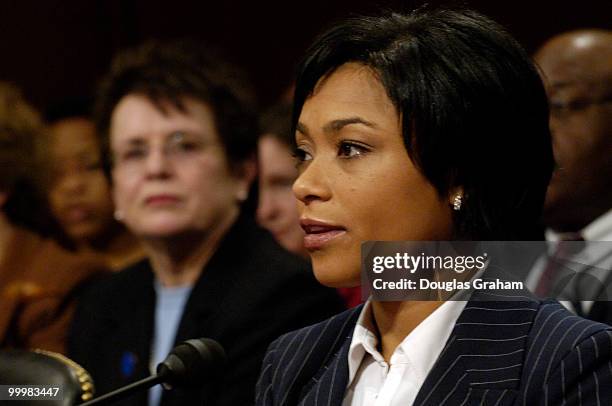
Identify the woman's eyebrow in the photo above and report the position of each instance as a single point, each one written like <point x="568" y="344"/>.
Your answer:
<point x="135" y="141"/>
<point x="337" y="125"/>
<point x="301" y="128"/>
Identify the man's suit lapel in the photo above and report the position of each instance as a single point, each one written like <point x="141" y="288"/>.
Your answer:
<point x="483" y="358"/>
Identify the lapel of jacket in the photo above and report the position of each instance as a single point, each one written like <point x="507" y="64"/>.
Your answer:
<point x="601" y="310"/>
<point x="322" y="376"/>
<point x="484" y="354"/>
<point x="133" y="322"/>
<point x="214" y="283"/>
<point x="205" y="302"/>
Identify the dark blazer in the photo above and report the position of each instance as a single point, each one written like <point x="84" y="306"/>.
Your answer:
<point x="528" y="353"/>
<point x="249" y="293"/>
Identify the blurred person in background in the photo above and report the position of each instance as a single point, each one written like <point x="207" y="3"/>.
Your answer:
<point x="577" y="69"/>
<point x="39" y="281"/>
<point x="79" y="192"/>
<point x="182" y="143"/>
<point x="277" y="209"/>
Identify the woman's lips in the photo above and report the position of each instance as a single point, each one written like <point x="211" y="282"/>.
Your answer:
<point x="161" y="200"/>
<point x="77" y="214"/>
<point x="319" y="233"/>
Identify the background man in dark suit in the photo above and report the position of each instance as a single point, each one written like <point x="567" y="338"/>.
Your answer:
<point x="577" y="70"/>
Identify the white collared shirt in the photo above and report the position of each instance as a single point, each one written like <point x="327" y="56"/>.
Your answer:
<point x="373" y="382"/>
<point x="599" y="229"/>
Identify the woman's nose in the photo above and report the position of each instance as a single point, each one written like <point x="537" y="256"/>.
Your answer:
<point x="313" y="183"/>
<point x="73" y="183"/>
<point x="266" y="209"/>
<point x="157" y="164"/>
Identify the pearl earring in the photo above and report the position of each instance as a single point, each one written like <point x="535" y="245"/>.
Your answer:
<point x="242" y="195"/>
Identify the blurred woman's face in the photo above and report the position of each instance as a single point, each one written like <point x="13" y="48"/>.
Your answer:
<point x="79" y="194"/>
<point x="170" y="175"/>
<point x="357" y="182"/>
<point x="277" y="208"/>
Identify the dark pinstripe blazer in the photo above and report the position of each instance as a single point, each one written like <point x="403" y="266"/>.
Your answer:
<point x="529" y="352"/>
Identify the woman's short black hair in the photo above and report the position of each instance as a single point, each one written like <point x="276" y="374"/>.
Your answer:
<point x="473" y="109"/>
<point x="170" y="71"/>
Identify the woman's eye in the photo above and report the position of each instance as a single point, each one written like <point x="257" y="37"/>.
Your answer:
<point x="300" y="155"/>
<point x="350" y="149"/>
<point x="180" y="141"/>
<point x="132" y="154"/>
<point x="187" y="146"/>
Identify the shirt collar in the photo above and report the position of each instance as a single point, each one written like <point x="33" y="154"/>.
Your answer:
<point x="599" y="229"/>
<point x="422" y="346"/>
<point x="597" y="235"/>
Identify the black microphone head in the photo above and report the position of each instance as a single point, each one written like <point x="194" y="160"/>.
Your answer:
<point x="192" y="362"/>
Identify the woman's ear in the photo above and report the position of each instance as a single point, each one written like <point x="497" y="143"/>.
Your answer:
<point x="456" y="198"/>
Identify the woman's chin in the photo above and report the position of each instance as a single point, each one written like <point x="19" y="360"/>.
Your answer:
<point x="336" y="278"/>
<point x="160" y="230"/>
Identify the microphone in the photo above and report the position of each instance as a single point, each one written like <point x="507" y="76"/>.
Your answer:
<point x="188" y="364"/>
<point x="191" y="361"/>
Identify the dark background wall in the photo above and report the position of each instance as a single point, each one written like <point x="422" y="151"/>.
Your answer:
<point x="58" y="49"/>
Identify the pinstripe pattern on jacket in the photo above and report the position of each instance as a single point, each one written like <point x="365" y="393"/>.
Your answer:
<point x="508" y="352"/>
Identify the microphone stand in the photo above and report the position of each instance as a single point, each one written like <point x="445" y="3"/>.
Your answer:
<point x="191" y="359"/>
<point x="126" y="390"/>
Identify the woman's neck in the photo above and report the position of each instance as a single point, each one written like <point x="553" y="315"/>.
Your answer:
<point x="179" y="260"/>
<point x="395" y="320"/>
<point x="119" y="251"/>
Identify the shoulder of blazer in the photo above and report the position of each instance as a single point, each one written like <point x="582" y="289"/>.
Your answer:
<point x="115" y="295"/>
<point x="295" y="358"/>
<point x="513" y="352"/>
<point x="564" y="349"/>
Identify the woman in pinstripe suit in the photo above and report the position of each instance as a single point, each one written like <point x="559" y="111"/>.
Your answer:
<point x="426" y="126"/>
